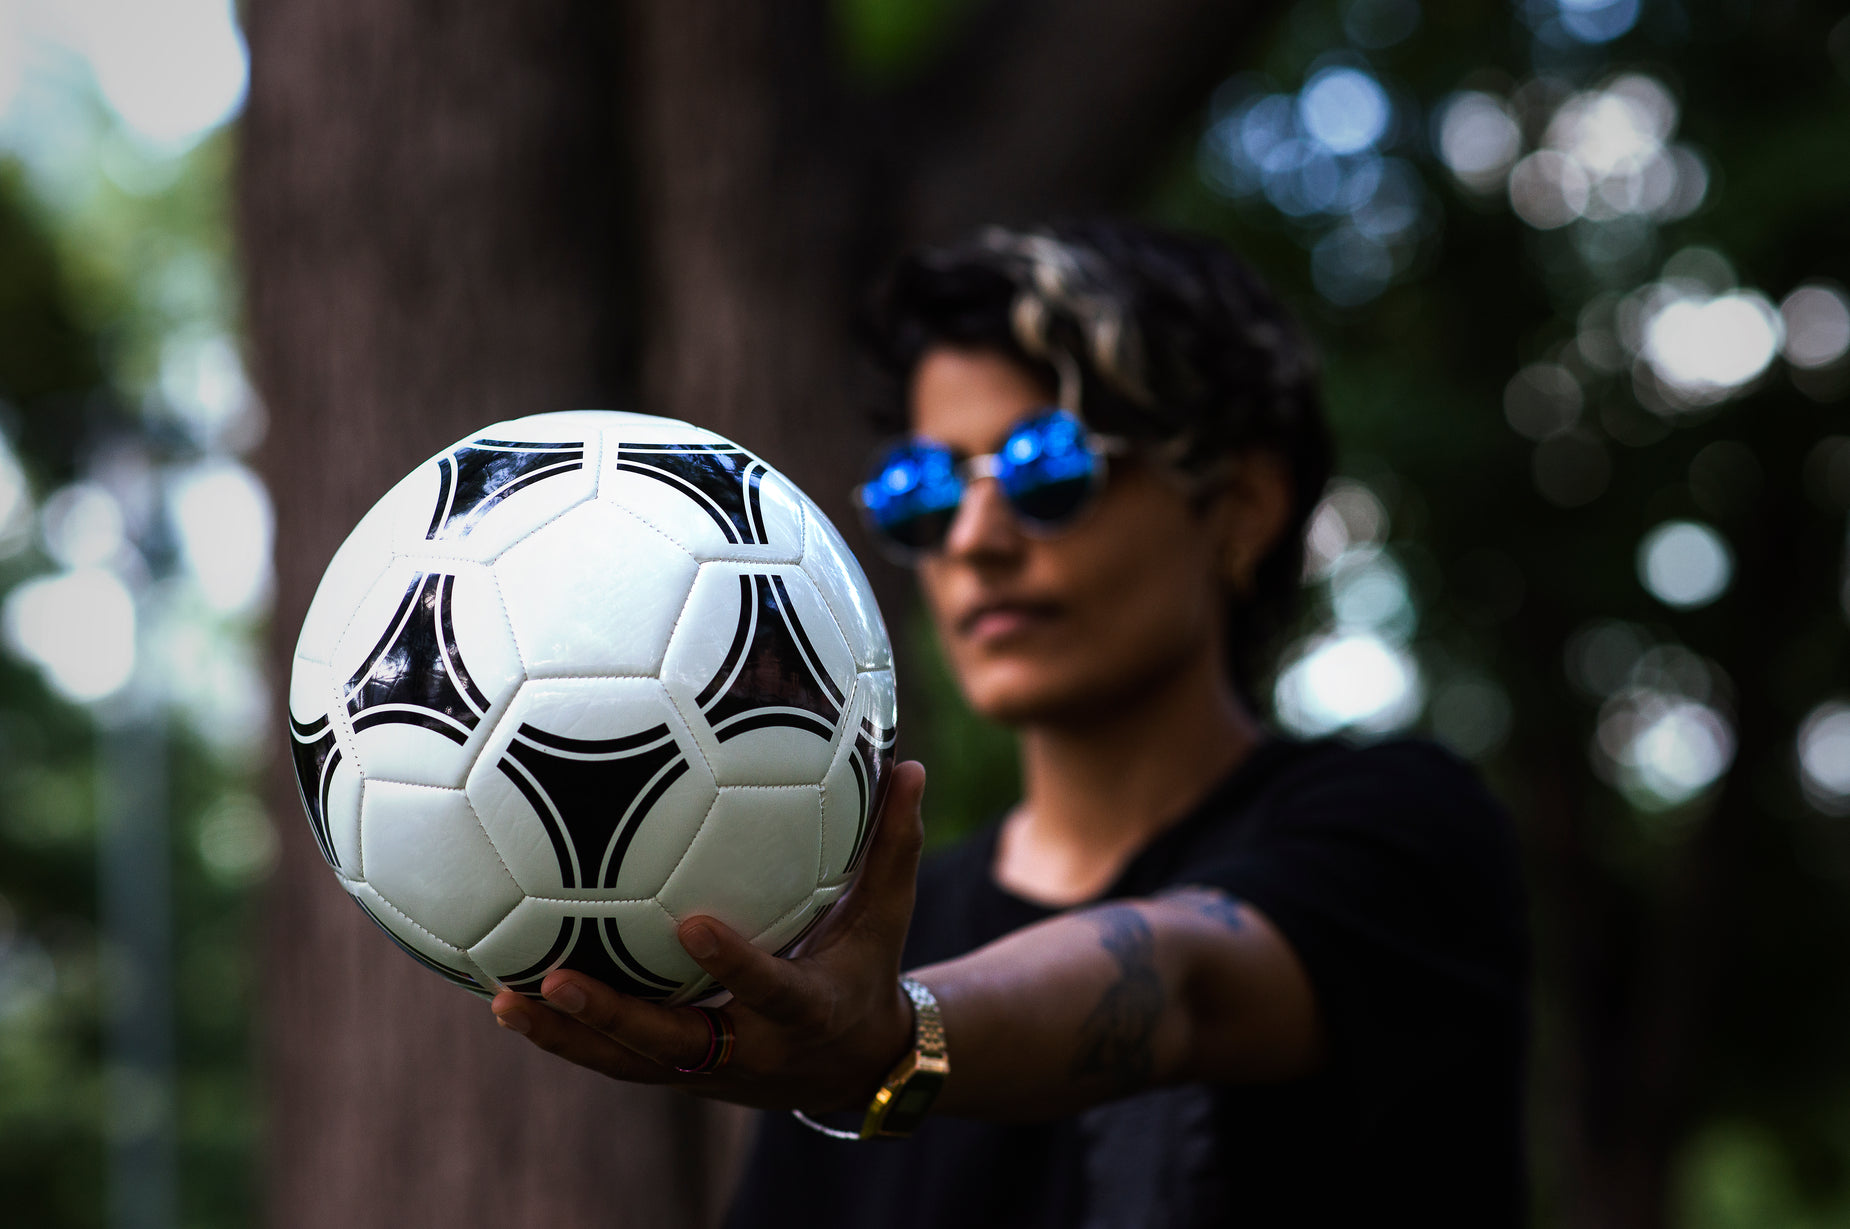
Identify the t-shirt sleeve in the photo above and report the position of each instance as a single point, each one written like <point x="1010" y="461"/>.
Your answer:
<point x="1392" y="873"/>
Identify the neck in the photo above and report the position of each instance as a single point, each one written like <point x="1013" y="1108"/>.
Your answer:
<point x="1096" y="790"/>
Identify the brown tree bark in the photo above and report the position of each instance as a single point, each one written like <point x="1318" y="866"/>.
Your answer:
<point x="454" y="213"/>
<point x="428" y="196"/>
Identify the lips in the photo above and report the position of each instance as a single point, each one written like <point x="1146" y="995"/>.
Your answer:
<point x="1004" y="619"/>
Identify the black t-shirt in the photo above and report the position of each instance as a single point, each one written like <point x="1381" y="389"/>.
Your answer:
<point x="1393" y="874"/>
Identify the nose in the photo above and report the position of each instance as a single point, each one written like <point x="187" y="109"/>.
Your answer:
<point x="985" y="527"/>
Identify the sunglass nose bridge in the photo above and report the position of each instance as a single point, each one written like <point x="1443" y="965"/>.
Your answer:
<point x="988" y="466"/>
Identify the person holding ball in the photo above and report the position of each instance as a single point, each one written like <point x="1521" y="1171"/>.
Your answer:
<point x="1201" y="973"/>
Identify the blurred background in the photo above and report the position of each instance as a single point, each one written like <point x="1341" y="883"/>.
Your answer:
<point x="1577" y="271"/>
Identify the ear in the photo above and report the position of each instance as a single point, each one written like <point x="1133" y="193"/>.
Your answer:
<point x="1252" y="509"/>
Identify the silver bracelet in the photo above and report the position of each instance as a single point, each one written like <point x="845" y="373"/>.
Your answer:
<point x="831" y="1132"/>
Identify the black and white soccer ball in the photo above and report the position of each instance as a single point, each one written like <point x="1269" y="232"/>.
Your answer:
<point x="580" y="676"/>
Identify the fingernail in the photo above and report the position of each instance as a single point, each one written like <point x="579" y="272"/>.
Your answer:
<point x="515" y="1021"/>
<point x="567" y="998"/>
<point x="700" y="942"/>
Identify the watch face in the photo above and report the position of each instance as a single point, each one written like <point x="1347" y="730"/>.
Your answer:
<point x="911" y="1103"/>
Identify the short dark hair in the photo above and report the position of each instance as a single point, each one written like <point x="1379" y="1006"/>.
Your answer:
<point x="1175" y="342"/>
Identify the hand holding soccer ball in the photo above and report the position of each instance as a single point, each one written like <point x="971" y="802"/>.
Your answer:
<point x="814" y="1032"/>
<point x="578" y="678"/>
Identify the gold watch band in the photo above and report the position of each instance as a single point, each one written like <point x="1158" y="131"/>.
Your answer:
<point x="910" y="1088"/>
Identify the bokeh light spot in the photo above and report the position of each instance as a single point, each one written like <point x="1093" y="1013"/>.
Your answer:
<point x="1611" y="130"/>
<point x="1598" y="21"/>
<point x="1355" y="681"/>
<point x="1661" y="748"/>
<point x="1824" y="757"/>
<point x="1817" y="323"/>
<point x="1344" y="109"/>
<point x="78" y="628"/>
<point x="1548" y="189"/>
<point x="225" y="524"/>
<point x="1685" y="564"/>
<point x="1704" y="349"/>
<point x="1681" y="751"/>
<point x="202" y="380"/>
<point x="1604" y="157"/>
<point x="1349" y="518"/>
<point x="1371" y="595"/>
<point x="82" y="525"/>
<point x="172" y="69"/>
<point x="15" y="502"/>
<point x="1478" y="139"/>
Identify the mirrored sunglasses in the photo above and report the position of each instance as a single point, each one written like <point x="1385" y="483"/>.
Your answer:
<point x="1050" y="468"/>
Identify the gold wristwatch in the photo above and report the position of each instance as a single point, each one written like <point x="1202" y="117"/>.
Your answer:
<point x="911" y="1087"/>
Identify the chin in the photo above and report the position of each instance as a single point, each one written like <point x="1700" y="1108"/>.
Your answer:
<point x="1071" y="689"/>
<point x="1022" y="697"/>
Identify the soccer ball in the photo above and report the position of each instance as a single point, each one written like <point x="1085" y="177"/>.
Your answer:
<point x="582" y="675"/>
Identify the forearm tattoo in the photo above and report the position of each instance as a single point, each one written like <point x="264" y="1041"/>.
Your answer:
<point x="1211" y="903"/>
<point x="1116" y="1041"/>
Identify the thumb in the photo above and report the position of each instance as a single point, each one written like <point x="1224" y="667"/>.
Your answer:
<point x="881" y="899"/>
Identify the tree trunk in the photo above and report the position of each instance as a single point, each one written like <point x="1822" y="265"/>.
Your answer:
<point x="751" y="204"/>
<point x="452" y="214"/>
<point x="428" y="205"/>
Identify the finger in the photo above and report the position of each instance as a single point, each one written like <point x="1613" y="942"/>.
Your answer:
<point x="881" y="899"/>
<point x="759" y="981"/>
<point x="666" y="1037"/>
<point x="573" y="1041"/>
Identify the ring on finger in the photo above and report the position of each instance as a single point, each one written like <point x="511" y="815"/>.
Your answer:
<point x="719" y="1043"/>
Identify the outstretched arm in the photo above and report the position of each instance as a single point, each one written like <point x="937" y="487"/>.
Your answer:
<point x="1102" y="1002"/>
<point x="1073" y="1011"/>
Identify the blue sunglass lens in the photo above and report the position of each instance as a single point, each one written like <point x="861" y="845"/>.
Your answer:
<point x="1048" y="468"/>
<point x="913" y="494"/>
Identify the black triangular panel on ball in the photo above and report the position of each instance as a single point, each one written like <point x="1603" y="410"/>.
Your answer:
<point x="472" y="479"/>
<point x="415" y="675"/>
<point x="722" y="479"/>
<point x="593" y="796"/>
<point x="772" y="675"/>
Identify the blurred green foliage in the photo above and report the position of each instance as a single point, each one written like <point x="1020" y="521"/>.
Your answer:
<point x="883" y="42"/>
<point x="1694" y="932"/>
<point x="93" y="285"/>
